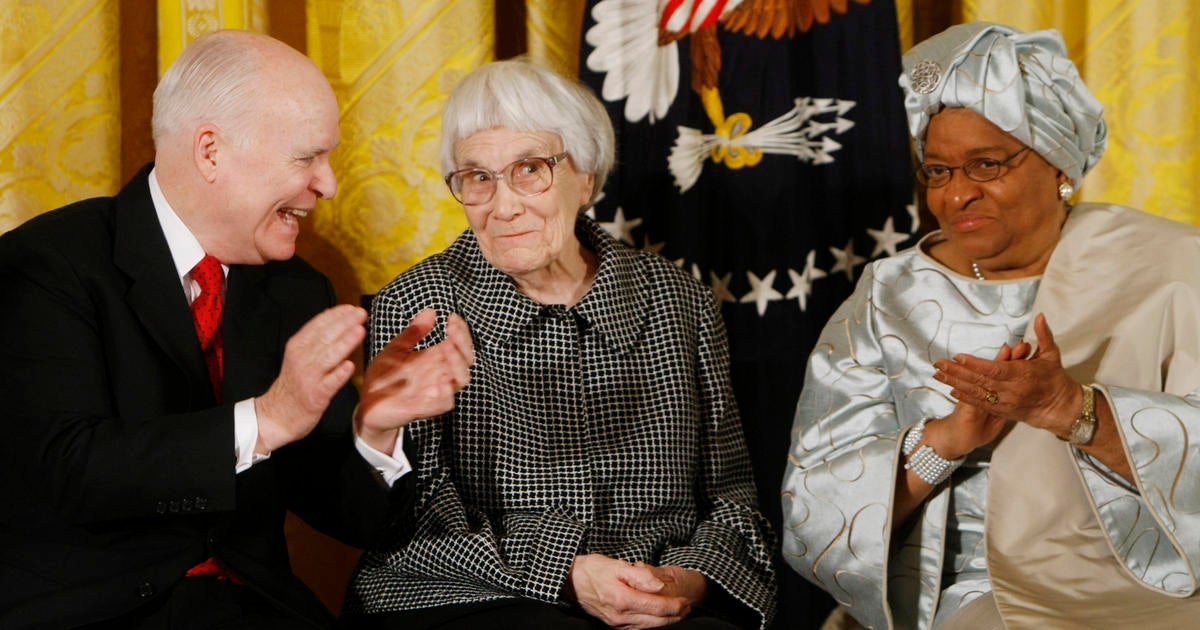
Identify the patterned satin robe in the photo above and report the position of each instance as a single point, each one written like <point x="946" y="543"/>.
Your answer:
<point x="1069" y="544"/>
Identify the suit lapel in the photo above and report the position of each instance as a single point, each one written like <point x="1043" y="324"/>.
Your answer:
<point x="251" y="333"/>
<point x="155" y="295"/>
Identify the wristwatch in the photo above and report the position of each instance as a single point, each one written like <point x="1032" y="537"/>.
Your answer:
<point x="1085" y="425"/>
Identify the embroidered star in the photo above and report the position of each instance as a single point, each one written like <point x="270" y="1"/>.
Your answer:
<point x="802" y="282"/>
<point x="846" y="260"/>
<point x="761" y="291"/>
<point x="914" y="214"/>
<point x="886" y="239"/>
<point x="654" y="248"/>
<point x="720" y="287"/>
<point x="621" y="229"/>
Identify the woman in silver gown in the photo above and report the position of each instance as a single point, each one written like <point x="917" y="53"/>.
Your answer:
<point x="1001" y="426"/>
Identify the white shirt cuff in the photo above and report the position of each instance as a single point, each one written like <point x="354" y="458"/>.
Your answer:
<point x="245" y="435"/>
<point x="390" y="467"/>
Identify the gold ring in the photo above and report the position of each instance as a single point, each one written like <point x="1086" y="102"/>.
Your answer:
<point x="992" y="398"/>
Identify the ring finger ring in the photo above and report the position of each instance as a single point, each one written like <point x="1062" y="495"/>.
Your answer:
<point x="992" y="398"/>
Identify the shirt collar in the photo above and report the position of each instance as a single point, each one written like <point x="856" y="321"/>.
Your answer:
<point x="186" y="251"/>
<point x="614" y="304"/>
<point x="620" y="294"/>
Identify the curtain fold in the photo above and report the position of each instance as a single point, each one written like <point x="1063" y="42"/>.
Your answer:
<point x="60" y="118"/>
<point x="181" y="21"/>
<point x="553" y="29"/>
<point x="906" y="21"/>
<point x="60" y="122"/>
<point x="392" y="66"/>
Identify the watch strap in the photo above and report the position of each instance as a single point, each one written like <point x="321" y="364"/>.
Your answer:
<point x="1084" y="427"/>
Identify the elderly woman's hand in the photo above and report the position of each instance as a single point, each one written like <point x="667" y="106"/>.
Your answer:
<point x="680" y="582"/>
<point x="1038" y="392"/>
<point x="625" y="595"/>
<point x="968" y="427"/>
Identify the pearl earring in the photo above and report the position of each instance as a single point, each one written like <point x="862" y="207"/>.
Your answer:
<point x="1065" y="191"/>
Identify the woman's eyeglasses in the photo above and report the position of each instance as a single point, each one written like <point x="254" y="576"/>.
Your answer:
<point x="527" y="177"/>
<point x="979" y="169"/>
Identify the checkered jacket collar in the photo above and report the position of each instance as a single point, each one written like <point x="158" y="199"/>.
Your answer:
<point x="614" y="306"/>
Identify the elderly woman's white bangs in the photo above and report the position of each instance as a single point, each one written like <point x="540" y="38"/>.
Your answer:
<point x="503" y="95"/>
<point x="522" y="96"/>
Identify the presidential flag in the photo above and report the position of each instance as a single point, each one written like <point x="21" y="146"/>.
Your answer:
<point x="762" y="147"/>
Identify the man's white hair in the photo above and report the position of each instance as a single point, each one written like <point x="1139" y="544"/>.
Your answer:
<point x="214" y="79"/>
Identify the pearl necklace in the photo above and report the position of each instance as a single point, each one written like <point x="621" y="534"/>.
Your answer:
<point x="978" y="273"/>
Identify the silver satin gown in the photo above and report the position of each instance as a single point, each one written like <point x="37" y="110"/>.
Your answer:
<point x="869" y="379"/>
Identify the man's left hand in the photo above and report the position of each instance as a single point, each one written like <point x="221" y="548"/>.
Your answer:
<point x="403" y="384"/>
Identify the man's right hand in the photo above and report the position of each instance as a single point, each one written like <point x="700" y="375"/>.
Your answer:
<point x="316" y="365"/>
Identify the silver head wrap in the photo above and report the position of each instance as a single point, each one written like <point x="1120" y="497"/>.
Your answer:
<point x="1024" y="83"/>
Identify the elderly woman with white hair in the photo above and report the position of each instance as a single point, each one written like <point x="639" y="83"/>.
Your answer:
<point x="594" y="472"/>
<point x="955" y="463"/>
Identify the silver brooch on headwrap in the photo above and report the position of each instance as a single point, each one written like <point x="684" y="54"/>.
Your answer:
<point x="925" y="76"/>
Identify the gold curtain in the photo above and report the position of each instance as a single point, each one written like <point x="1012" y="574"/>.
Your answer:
<point x="1140" y="58"/>
<point x="60" y="104"/>
<point x="905" y="21"/>
<point x="62" y="139"/>
<point x="553" y="30"/>
<point x="181" y="21"/>
<point x="392" y="65"/>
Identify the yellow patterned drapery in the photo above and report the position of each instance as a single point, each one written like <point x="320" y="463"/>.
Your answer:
<point x="181" y="21"/>
<point x="904" y="18"/>
<point x="1140" y="59"/>
<point x="553" y="30"/>
<point x="60" y="105"/>
<point x="62" y="118"/>
<point x="392" y="64"/>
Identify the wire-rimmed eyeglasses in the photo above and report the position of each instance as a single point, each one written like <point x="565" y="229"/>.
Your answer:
<point x="981" y="169"/>
<point x="527" y="177"/>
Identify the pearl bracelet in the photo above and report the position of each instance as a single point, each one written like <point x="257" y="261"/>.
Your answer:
<point x="913" y="437"/>
<point x="932" y="468"/>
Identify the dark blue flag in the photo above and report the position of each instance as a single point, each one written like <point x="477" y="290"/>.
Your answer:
<point x="762" y="147"/>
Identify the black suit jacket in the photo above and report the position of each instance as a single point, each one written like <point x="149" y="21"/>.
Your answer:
<point x="116" y="462"/>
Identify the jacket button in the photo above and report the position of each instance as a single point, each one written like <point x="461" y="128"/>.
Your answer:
<point x="145" y="589"/>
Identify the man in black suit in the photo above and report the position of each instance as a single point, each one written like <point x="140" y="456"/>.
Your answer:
<point x="146" y="465"/>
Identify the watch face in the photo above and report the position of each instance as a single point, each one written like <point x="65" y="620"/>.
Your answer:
<point x="1082" y="432"/>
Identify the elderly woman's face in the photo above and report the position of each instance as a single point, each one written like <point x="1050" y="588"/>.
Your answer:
<point x="1009" y="224"/>
<point x="524" y="236"/>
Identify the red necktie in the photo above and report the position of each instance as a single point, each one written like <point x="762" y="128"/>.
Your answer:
<point x="206" y="312"/>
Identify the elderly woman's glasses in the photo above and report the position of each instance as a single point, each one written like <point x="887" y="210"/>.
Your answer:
<point x="979" y="169"/>
<point x="527" y="177"/>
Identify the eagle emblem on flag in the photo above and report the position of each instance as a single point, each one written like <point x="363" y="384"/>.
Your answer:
<point x="635" y="46"/>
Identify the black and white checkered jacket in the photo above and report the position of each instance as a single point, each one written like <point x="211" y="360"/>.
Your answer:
<point x="608" y="427"/>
